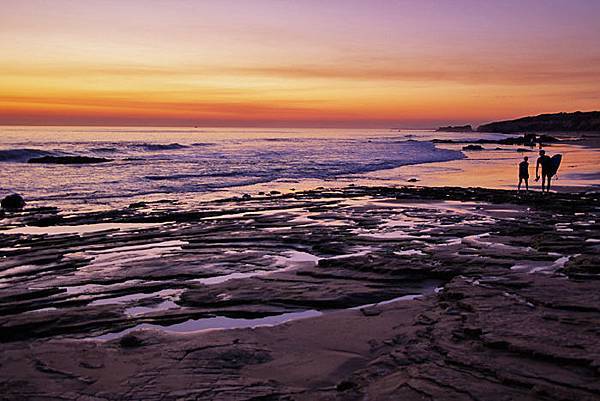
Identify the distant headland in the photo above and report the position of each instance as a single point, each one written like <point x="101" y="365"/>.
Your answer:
<point x="577" y="121"/>
<point x="456" y="128"/>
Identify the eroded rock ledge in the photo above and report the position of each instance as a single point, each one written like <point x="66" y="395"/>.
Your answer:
<point x="515" y="314"/>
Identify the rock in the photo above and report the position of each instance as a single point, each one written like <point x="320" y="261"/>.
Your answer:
<point x="473" y="147"/>
<point x="91" y="365"/>
<point x="583" y="267"/>
<point x="473" y="339"/>
<point x="578" y="121"/>
<point x="130" y="341"/>
<point x="522" y="150"/>
<point x="547" y="139"/>
<point x="413" y="179"/>
<point x="246" y="197"/>
<point x="13" y="202"/>
<point x="68" y="160"/>
<point x="275" y="192"/>
<point x="525" y="140"/>
<point x="457" y="128"/>
<point x="345" y="385"/>
<point x="529" y="139"/>
<point x="370" y="311"/>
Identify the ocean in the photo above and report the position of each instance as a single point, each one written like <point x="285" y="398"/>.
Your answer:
<point x="148" y="162"/>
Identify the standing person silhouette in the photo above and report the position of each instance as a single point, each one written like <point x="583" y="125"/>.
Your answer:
<point x="524" y="173"/>
<point x="544" y="162"/>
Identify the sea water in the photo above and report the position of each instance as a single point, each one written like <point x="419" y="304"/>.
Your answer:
<point x="177" y="161"/>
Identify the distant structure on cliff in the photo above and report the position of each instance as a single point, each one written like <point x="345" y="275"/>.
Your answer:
<point x="578" y="121"/>
<point x="458" y="128"/>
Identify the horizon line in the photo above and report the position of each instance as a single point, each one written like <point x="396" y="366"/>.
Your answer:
<point x="358" y="124"/>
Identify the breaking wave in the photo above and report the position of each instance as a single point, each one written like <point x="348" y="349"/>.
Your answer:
<point x="21" y="155"/>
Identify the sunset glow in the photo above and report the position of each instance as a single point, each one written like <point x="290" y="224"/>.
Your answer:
<point x="301" y="63"/>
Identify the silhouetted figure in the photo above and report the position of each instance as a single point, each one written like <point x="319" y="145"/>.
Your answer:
<point x="524" y="173"/>
<point x="544" y="162"/>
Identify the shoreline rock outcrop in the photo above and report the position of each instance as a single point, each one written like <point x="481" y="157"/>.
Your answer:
<point x="525" y="140"/>
<point x="68" y="160"/>
<point x="419" y="296"/>
<point x="13" y="202"/>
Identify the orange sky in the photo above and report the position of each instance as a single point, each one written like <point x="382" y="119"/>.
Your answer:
<point x="301" y="63"/>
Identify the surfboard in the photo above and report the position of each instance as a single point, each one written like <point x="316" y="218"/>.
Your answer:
<point x="555" y="163"/>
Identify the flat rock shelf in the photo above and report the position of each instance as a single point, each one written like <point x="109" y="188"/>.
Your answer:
<point x="349" y="294"/>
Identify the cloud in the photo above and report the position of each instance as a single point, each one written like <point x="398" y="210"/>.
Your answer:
<point x="462" y="72"/>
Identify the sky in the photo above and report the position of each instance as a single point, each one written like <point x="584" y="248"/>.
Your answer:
<point x="302" y="63"/>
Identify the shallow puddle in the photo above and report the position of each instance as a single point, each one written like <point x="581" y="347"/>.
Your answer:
<point x="78" y="229"/>
<point x="216" y="323"/>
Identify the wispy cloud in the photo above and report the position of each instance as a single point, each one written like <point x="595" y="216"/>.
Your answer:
<point x="471" y="72"/>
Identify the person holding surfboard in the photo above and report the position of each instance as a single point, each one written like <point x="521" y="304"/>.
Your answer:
<point x="549" y="167"/>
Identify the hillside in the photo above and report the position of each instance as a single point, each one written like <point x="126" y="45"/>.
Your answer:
<point x="577" y="121"/>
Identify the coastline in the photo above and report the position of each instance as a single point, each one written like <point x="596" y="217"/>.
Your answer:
<point x="182" y="157"/>
<point x="279" y="200"/>
<point x="514" y="275"/>
<point x="497" y="168"/>
<point x="491" y="168"/>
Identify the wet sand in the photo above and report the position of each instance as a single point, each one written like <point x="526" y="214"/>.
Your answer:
<point x="496" y="166"/>
<point x="356" y="293"/>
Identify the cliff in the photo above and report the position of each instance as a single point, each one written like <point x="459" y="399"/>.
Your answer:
<point x="577" y="121"/>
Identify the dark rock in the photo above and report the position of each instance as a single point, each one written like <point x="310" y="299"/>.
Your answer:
<point x="13" y="202"/>
<point x="130" y="341"/>
<point x="246" y="197"/>
<point x="457" y="128"/>
<point x="525" y="140"/>
<point x="68" y="160"/>
<point x="547" y="139"/>
<point x="370" y="311"/>
<point x="275" y="192"/>
<point x="472" y="340"/>
<point x="522" y="150"/>
<point x="578" y="121"/>
<point x="583" y="267"/>
<point x="473" y="147"/>
<point x="413" y="179"/>
<point x="345" y="385"/>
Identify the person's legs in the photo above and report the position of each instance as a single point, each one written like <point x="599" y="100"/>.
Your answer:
<point x="543" y="182"/>
<point x="519" y="186"/>
<point x="527" y="184"/>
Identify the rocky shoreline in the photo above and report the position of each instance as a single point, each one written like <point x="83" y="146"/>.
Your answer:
<point x="412" y="293"/>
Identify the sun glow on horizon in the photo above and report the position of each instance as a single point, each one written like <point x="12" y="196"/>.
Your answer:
<point x="309" y="63"/>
